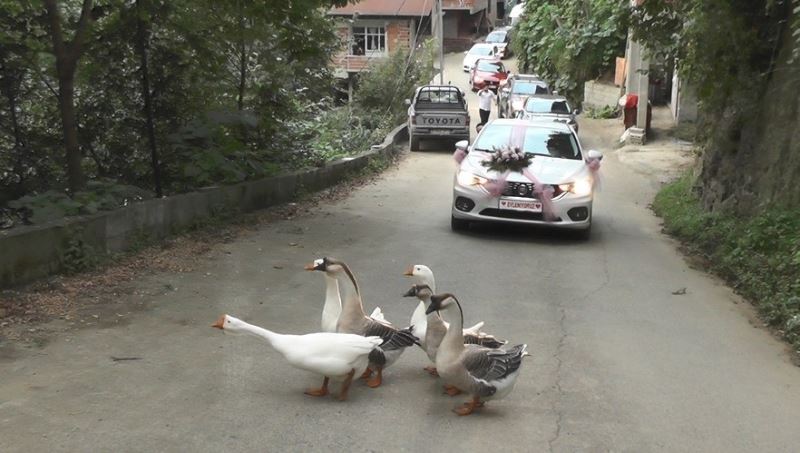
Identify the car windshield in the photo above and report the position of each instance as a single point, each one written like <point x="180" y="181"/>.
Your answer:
<point x="532" y="140"/>
<point x="490" y="66"/>
<point x="496" y="37"/>
<point x="537" y="105"/>
<point x="521" y="87"/>
<point x="481" y="50"/>
<point x="439" y="96"/>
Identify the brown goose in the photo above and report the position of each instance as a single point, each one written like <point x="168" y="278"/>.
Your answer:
<point x="354" y="320"/>
<point x="482" y="372"/>
<point x="436" y="328"/>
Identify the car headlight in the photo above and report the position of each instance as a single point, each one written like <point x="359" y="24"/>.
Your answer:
<point x="581" y="187"/>
<point x="467" y="179"/>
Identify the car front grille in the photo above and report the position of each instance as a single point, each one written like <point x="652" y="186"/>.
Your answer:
<point x="518" y="215"/>
<point x="525" y="190"/>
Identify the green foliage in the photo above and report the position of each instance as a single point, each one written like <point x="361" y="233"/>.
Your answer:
<point x="759" y="255"/>
<point x="568" y="42"/>
<point x="99" y="195"/>
<point x="382" y="89"/>
<point x="721" y="46"/>
<point x="77" y="255"/>
<point x="603" y="113"/>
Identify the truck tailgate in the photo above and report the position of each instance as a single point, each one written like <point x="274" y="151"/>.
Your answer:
<point x="445" y="120"/>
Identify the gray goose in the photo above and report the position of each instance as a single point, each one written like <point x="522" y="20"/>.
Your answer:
<point x="354" y="320"/>
<point x="482" y="372"/>
<point x="437" y="328"/>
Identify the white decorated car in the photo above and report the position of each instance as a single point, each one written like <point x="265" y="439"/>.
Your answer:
<point x="557" y="163"/>
<point x="477" y="51"/>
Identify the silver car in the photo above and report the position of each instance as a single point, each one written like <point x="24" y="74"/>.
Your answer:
<point x="557" y="160"/>
<point x="549" y="108"/>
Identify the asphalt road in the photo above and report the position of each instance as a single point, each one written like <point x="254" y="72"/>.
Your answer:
<point x="618" y="362"/>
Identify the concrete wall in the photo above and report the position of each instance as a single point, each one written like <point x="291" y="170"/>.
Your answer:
<point x="31" y="252"/>
<point x="598" y="95"/>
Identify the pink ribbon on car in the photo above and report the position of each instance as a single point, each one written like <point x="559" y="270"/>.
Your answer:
<point x="544" y="192"/>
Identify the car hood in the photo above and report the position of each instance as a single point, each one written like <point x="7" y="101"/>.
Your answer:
<point x="549" y="170"/>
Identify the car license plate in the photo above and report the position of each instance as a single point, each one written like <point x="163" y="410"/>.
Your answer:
<point x="521" y="205"/>
<point x="440" y="131"/>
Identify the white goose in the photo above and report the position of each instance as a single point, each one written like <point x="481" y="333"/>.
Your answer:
<point x="336" y="355"/>
<point x="354" y="320"/>
<point x="333" y="302"/>
<point x="482" y="372"/>
<point x="436" y="328"/>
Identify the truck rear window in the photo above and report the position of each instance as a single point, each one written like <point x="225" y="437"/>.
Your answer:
<point x="434" y="96"/>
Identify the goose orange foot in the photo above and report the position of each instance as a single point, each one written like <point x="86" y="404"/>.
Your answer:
<point x="451" y="390"/>
<point x="468" y="407"/>
<point x="431" y="370"/>
<point x="322" y="391"/>
<point x="367" y="373"/>
<point x="377" y="380"/>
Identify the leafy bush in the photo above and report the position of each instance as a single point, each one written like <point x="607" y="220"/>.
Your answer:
<point x="568" y="42"/>
<point x="603" y="113"/>
<point x="758" y="255"/>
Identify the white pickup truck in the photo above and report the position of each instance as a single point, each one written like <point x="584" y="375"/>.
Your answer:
<point x="437" y="112"/>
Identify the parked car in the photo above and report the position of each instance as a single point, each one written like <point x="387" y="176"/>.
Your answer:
<point x="549" y="108"/>
<point x="487" y="72"/>
<point x="480" y="50"/>
<point x="557" y="160"/>
<point x="501" y="38"/>
<point x="437" y="112"/>
<point x="513" y="94"/>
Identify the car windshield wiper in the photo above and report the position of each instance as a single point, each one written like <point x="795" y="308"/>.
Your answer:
<point x="483" y="149"/>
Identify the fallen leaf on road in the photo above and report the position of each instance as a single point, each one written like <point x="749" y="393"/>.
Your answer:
<point x="679" y="292"/>
<point x="277" y="267"/>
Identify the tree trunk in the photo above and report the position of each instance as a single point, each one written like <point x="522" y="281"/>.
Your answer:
<point x="242" y="59"/>
<point x="67" y="55"/>
<point x="75" y="177"/>
<point x="141" y="44"/>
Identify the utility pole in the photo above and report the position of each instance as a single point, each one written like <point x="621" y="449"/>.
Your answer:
<point x="439" y="21"/>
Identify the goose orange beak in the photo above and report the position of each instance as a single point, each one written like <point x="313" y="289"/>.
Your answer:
<point x="220" y="323"/>
<point x="309" y="266"/>
<point x="409" y="271"/>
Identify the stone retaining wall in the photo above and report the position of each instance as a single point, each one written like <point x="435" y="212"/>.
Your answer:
<point x="31" y="252"/>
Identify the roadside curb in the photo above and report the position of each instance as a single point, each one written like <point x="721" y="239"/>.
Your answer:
<point x="33" y="252"/>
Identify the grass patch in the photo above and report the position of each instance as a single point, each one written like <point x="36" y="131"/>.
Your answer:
<point x="758" y="255"/>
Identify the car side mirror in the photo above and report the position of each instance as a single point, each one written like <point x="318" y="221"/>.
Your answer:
<point x="576" y="111"/>
<point x="463" y="145"/>
<point x="594" y="154"/>
<point x="408" y="101"/>
<point x="466" y="52"/>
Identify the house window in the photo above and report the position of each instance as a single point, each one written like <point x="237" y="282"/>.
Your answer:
<point x="368" y="41"/>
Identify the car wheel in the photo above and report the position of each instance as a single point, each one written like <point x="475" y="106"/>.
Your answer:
<point x="458" y="224"/>
<point x="413" y="143"/>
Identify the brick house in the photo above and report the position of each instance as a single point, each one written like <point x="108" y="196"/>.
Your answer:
<point x="372" y="29"/>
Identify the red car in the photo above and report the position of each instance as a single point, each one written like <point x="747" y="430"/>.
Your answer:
<point x="487" y="72"/>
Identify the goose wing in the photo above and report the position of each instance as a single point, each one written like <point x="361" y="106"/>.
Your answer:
<point x="393" y="338"/>
<point x="483" y="339"/>
<point x="493" y="364"/>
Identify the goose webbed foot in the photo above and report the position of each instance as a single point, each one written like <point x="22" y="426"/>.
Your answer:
<point x="452" y="390"/>
<point x="366" y="374"/>
<point x="346" y="385"/>
<point x="376" y="381"/>
<point x="468" y="407"/>
<point x="431" y="370"/>
<point x="322" y="391"/>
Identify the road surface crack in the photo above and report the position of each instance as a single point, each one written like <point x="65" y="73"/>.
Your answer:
<point x="562" y="325"/>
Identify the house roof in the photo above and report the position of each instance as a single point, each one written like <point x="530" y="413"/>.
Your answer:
<point x="385" y="8"/>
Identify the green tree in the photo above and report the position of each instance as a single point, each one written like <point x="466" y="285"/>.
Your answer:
<point x="568" y="42"/>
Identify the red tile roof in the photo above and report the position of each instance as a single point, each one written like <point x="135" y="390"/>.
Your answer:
<point x="385" y="8"/>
